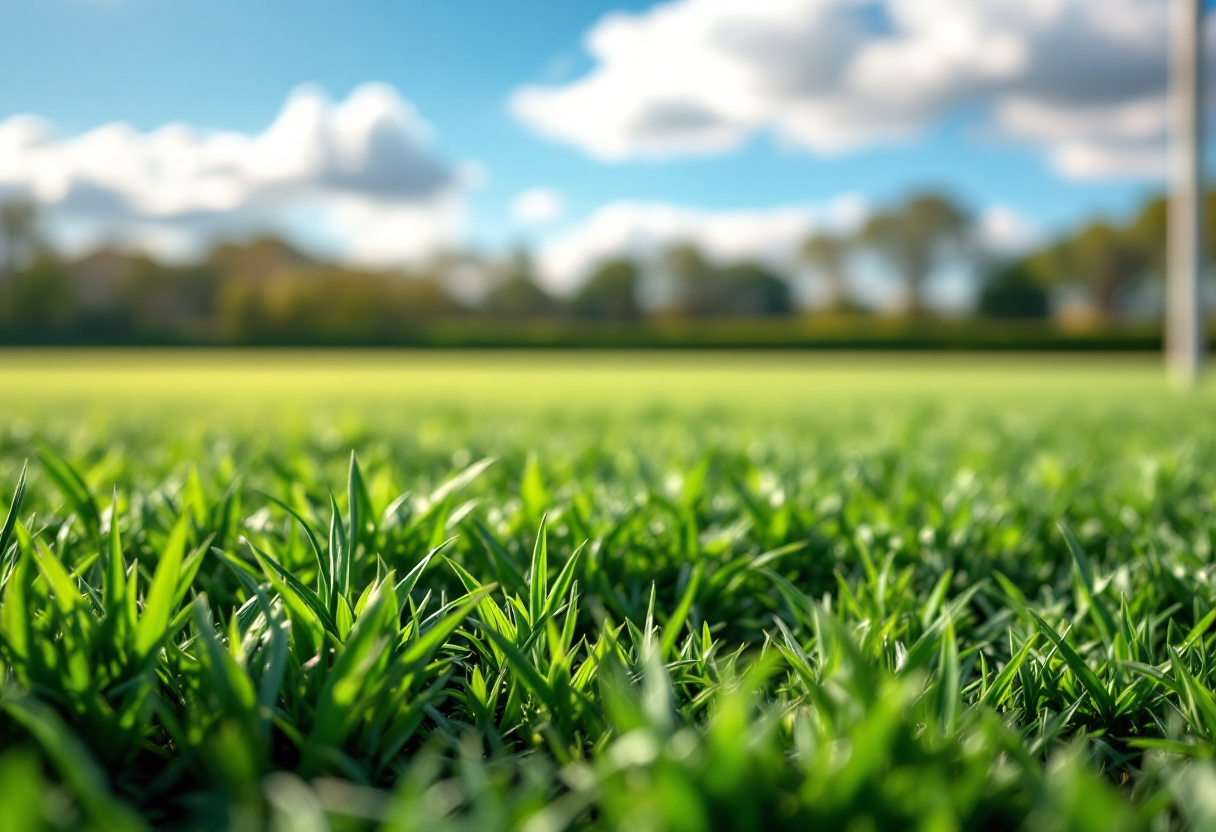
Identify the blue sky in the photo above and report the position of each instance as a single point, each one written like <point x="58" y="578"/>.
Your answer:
<point x="220" y="65"/>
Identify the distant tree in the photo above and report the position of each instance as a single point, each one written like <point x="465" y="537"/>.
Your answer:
<point x="698" y="288"/>
<point x="914" y="237"/>
<point x="326" y="302"/>
<point x="40" y="300"/>
<point x="1145" y="236"/>
<point x="1109" y="262"/>
<point x="19" y="234"/>
<point x="610" y="293"/>
<point x="519" y="295"/>
<point x="1148" y="231"/>
<point x="707" y="290"/>
<point x="751" y="290"/>
<point x="106" y="294"/>
<point x="1013" y="293"/>
<point x="256" y="258"/>
<point x="828" y="254"/>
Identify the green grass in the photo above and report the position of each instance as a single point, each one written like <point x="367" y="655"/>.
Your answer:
<point x="604" y="592"/>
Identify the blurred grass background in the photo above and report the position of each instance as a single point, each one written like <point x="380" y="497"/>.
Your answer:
<point x="154" y="408"/>
<point x="232" y="380"/>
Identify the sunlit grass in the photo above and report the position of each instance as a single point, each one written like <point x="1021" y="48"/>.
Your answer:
<point x="745" y="380"/>
<point x="602" y="591"/>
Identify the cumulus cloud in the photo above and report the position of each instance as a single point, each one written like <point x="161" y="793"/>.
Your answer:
<point x="537" y="206"/>
<point x="1004" y="230"/>
<point x="1083" y="80"/>
<point x="362" y="174"/>
<point x="646" y="229"/>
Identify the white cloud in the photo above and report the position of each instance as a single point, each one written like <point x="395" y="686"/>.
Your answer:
<point x="1004" y="230"/>
<point x="362" y="173"/>
<point x="1092" y="141"/>
<point x="1081" y="79"/>
<point x="537" y="206"/>
<point x="646" y="229"/>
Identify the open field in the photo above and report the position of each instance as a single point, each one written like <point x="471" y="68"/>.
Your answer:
<point x="605" y="591"/>
<point x="527" y="381"/>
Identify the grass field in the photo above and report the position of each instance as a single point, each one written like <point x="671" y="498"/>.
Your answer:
<point x="604" y="591"/>
<point x="524" y="380"/>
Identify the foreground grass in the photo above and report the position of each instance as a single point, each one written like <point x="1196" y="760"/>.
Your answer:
<point x="703" y="593"/>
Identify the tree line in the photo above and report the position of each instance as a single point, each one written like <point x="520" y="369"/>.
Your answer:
<point x="266" y="290"/>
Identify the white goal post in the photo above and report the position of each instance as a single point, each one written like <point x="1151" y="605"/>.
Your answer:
<point x="1185" y="337"/>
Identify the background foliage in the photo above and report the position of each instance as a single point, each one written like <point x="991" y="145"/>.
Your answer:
<point x="1099" y="286"/>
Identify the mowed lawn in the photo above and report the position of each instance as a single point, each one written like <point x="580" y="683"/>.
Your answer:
<point x="213" y="385"/>
<point x="546" y="591"/>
